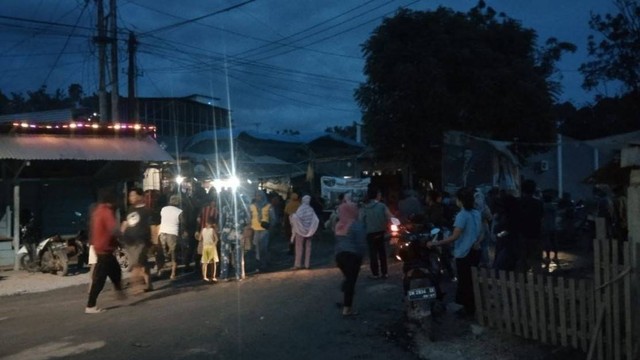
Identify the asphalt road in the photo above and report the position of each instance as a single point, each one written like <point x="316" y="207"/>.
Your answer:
<point x="281" y="314"/>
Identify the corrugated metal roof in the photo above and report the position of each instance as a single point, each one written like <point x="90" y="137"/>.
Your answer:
<point x="49" y="147"/>
<point x="62" y="115"/>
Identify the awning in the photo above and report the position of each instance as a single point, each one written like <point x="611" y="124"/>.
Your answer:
<point x="48" y="147"/>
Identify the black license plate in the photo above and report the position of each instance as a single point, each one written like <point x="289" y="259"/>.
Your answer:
<point x="426" y="293"/>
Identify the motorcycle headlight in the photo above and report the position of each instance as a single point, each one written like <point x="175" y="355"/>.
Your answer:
<point x="407" y="252"/>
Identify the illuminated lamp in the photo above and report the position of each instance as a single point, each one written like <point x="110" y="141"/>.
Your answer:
<point x="95" y="126"/>
<point x="217" y="184"/>
<point x="179" y="179"/>
<point x="230" y="183"/>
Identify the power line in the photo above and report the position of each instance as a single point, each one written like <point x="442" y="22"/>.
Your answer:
<point x="268" y="42"/>
<point x="304" y="30"/>
<point x="337" y="34"/>
<point x="264" y="90"/>
<point x="196" y="19"/>
<point x="244" y="62"/>
<point x="64" y="46"/>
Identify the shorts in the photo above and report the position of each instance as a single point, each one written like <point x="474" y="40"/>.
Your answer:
<point x="209" y="255"/>
<point x="137" y="254"/>
<point x="169" y="243"/>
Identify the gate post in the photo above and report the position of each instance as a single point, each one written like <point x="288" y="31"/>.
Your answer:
<point x="633" y="220"/>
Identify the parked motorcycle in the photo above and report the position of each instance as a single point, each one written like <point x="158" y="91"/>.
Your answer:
<point x="123" y="258"/>
<point x="77" y="247"/>
<point x="422" y="272"/>
<point x="49" y="255"/>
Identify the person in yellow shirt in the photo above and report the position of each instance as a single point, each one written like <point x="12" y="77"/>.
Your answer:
<point x="262" y="217"/>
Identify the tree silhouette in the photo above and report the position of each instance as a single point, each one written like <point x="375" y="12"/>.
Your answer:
<point x="434" y="71"/>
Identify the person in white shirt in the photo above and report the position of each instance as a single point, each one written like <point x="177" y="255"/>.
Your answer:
<point x="170" y="226"/>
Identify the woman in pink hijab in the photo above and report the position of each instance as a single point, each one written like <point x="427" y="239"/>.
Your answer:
<point x="304" y="223"/>
<point x="350" y="248"/>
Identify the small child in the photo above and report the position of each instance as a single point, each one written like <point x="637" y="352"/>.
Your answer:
<point x="209" y="238"/>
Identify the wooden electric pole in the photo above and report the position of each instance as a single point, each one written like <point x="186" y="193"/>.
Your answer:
<point x="101" y="41"/>
<point x="132" y="74"/>
<point x="114" y="62"/>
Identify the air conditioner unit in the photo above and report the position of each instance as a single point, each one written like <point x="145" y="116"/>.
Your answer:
<point x="543" y="165"/>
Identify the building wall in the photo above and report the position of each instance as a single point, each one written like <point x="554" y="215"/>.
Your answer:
<point x="578" y="162"/>
<point x="179" y="117"/>
<point x="55" y="204"/>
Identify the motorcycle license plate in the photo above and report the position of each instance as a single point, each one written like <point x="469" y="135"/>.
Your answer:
<point x="427" y="293"/>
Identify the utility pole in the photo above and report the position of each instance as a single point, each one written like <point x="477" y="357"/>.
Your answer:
<point x="101" y="40"/>
<point x="114" y="62"/>
<point x="132" y="74"/>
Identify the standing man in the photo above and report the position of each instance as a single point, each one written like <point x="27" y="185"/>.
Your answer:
<point x="531" y="214"/>
<point x="409" y="206"/>
<point x="262" y="216"/>
<point x="188" y="241"/>
<point x="170" y="225"/>
<point x="136" y="230"/>
<point x="375" y="216"/>
<point x="234" y="219"/>
<point x="104" y="230"/>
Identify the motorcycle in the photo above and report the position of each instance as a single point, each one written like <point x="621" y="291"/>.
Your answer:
<point x="49" y="255"/>
<point x="422" y="272"/>
<point x="77" y="246"/>
<point x="123" y="258"/>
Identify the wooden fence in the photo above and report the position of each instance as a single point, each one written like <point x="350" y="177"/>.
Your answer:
<point x="595" y="315"/>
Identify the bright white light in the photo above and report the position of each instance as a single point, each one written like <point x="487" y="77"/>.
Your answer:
<point x="218" y="184"/>
<point x="231" y="183"/>
<point x="249" y="181"/>
<point x="234" y="182"/>
<point x="179" y="179"/>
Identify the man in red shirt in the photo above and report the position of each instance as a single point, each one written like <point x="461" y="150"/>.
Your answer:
<point x="104" y="230"/>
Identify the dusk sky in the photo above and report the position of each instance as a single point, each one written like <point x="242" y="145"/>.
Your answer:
<point x="289" y="64"/>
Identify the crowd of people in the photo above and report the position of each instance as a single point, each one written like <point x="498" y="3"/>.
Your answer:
<point x="497" y="230"/>
<point x="216" y="230"/>
<point x="213" y="231"/>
